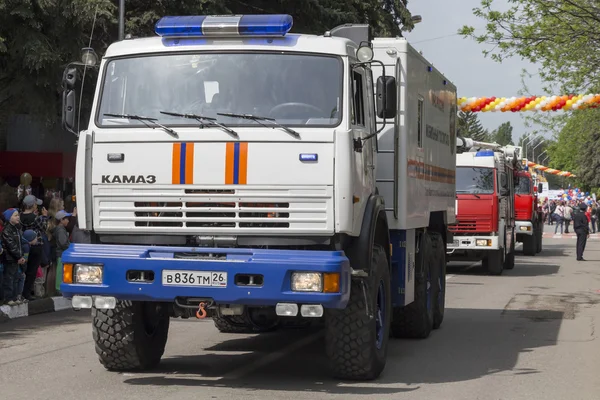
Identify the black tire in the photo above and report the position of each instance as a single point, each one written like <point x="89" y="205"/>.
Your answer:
<point x="530" y="244"/>
<point x="231" y="324"/>
<point x="495" y="262"/>
<point x="439" y="295"/>
<point x="242" y="323"/>
<point x="355" y="346"/>
<point x="509" y="262"/>
<point x="132" y="336"/>
<point x="540" y="236"/>
<point x="416" y="319"/>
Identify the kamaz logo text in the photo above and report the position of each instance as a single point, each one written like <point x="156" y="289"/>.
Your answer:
<point x="128" y="179"/>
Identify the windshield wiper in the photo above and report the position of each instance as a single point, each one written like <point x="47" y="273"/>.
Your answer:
<point x="144" y="120"/>
<point x="200" y="118"/>
<point x="260" y="121"/>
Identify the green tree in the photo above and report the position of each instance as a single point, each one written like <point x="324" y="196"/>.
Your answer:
<point x="469" y="126"/>
<point x="503" y="135"/>
<point x="577" y="148"/>
<point x="561" y="36"/>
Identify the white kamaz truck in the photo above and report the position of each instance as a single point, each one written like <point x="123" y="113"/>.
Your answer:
<point x="235" y="171"/>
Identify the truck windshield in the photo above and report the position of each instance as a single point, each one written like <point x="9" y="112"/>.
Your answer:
<point x="524" y="186"/>
<point x="293" y="89"/>
<point x="474" y="180"/>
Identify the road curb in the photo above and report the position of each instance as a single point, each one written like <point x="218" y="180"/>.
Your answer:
<point x="41" y="306"/>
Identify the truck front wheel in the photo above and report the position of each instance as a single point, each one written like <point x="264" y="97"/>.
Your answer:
<point x="356" y="342"/>
<point x="494" y="262"/>
<point x="132" y="336"/>
<point x="530" y="244"/>
<point x="539" y="237"/>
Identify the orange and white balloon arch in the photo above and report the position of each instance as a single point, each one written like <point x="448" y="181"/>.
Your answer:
<point x="531" y="103"/>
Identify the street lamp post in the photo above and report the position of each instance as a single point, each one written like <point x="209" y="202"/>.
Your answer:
<point x="121" y="19"/>
<point x="536" y="146"/>
<point x="544" y="160"/>
<point x="539" y="155"/>
<point x="525" y="141"/>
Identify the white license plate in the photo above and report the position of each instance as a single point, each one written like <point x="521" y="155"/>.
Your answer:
<point x="194" y="278"/>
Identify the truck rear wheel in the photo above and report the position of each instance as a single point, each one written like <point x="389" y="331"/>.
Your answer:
<point x="356" y="343"/>
<point x="416" y="319"/>
<point x="439" y="297"/>
<point x="530" y="244"/>
<point x="494" y="262"/>
<point x="132" y="336"/>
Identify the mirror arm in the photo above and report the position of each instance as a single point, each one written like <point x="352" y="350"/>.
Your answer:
<point x="359" y="143"/>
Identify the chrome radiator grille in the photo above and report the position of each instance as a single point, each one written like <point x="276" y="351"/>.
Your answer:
<point x="210" y="211"/>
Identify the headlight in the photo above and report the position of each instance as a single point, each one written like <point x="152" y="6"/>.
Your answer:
<point x="525" y="228"/>
<point x="307" y="282"/>
<point x="85" y="273"/>
<point x="483" y="242"/>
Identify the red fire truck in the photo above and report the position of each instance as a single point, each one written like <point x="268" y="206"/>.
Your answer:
<point x="485" y="213"/>
<point x="529" y="224"/>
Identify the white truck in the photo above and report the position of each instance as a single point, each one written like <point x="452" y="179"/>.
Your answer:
<point x="485" y="190"/>
<point x="233" y="170"/>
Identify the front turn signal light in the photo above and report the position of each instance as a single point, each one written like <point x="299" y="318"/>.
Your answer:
<point x="68" y="273"/>
<point x="331" y="283"/>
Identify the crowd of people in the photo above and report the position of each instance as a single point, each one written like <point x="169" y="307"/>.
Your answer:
<point x="33" y="237"/>
<point x="578" y="208"/>
<point x="559" y="212"/>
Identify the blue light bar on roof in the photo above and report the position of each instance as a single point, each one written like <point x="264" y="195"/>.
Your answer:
<point x="484" y="153"/>
<point x="224" y="25"/>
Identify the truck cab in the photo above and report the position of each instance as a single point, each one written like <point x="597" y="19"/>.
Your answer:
<point x="485" y="227"/>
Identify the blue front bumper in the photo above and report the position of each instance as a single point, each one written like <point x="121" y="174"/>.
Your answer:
<point x="276" y="266"/>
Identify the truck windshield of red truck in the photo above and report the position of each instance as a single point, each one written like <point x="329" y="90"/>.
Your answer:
<point x="524" y="186"/>
<point x="471" y="180"/>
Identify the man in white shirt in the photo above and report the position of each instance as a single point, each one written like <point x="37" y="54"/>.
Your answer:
<point x="568" y="217"/>
<point x="560" y="217"/>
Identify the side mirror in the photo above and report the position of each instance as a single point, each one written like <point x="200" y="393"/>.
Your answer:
<point x="386" y="97"/>
<point x="540" y="188"/>
<point x="69" y="99"/>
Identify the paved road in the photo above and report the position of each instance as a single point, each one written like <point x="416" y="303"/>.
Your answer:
<point x="529" y="334"/>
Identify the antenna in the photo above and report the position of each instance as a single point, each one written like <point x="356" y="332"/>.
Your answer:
<point x="85" y="67"/>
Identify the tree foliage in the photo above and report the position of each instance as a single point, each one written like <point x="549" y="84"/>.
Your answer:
<point x="503" y="135"/>
<point x="561" y="36"/>
<point x="577" y="147"/>
<point x="38" y="38"/>
<point x="469" y="126"/>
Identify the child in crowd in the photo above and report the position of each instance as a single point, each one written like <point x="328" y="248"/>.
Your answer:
<point x="13" y="255"/>
<point x="61" y="238"/>
<point x="29" y="238"/>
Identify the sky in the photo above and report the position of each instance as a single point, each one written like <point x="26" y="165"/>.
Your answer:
<point x="461" y="59"/>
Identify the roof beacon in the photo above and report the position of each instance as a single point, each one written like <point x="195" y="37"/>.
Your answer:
<point x="224" y="25"/>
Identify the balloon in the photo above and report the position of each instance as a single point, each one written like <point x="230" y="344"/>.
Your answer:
<point x="26" y="179"/>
